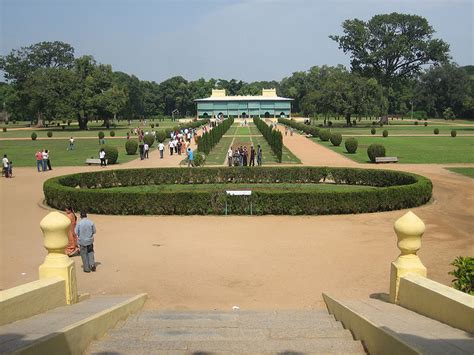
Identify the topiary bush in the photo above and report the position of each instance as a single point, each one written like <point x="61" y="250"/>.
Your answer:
<point x="324" y="134"/>
<point x="436" y="131"/>
<point x="385" y="133"/>
<point x="454" y="133"/>
<point x="416" y="123"/>
<point x="152" y="125"/>
<point x="101" y="135"/>
<point x="374" y="151"/>
<point x="111" y="154"/>
<point x="112" y="133"/>
<point x="373" y="131"/>
<point x="149" y="139"/>
<point x="351" y="145"/>
<point x="336" y="139"/>
<point x="161" y="136"/>
<point x="34" y="136"/>
<point x="49" y="134"/>
<point x="426" y="124"/>
<point x="131" y="147"/>
<point x="4" y="129"/>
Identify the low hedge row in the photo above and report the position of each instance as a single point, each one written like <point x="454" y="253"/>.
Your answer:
<point x="209" y="139"/>
<point x="314" y="131"/>
<point x="88" y="191"/>
<point x="272" y="136"/>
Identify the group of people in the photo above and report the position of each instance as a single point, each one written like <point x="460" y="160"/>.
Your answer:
<point x="241" y="157"/>
<point x="7" y="167"/>
<point x="81" y="239"/>
<point x="43" y="161"/>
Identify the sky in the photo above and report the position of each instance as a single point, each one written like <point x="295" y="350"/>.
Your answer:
<point x="248" y="40"/>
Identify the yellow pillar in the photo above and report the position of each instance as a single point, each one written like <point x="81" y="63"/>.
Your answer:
<point x="409" y="229"/>
<point x="55" y="230"/>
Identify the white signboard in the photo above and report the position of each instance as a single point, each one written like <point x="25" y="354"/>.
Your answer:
<point x="239" y="193"/>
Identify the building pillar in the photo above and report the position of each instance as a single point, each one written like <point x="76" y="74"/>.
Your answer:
<point x="55" y="228"/>
<point x="409" y="229"/>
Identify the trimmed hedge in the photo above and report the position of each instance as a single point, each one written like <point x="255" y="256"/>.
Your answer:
<point x="131" y="147"/>
<point x="88" y="191"/>
<point x="336" y="139"/>
<point x="324" y="135"/>
<point x="111" y="154"/>
<point x="273" y="137"/>
<point x="313" y="131"/>
<point x="374" y="151"/>
<point x="351" y="145"/>
<point x="209" y="139"/>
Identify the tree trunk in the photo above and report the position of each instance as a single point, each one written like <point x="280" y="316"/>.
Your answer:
<point x="82" y="121"/>
<point x="348" y="119"/>
<point x="39" y="116"/>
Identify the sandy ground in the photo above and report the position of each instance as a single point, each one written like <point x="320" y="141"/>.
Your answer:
<point x="216" y="262"/>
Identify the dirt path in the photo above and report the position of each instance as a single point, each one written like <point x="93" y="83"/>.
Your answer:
<point x="215" y="262"/>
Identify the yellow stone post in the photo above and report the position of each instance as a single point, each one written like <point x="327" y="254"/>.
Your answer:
<point x="409" y="229"/>
<point x="55" y="230"/>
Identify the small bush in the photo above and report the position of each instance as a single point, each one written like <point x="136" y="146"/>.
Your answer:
<point x="152" y="125"/>
<point x="385" y="133"/>
<point x="336" y="139"/>
<point x="373" y="131"/>
<point x="160" y="136"/>
<point x="14" y="121"/>
<point x="101" y="135"/>
<point x="112" y="133"/>
<point x="149" y="139"/>
<point x="454" y="133"/>
<point x="416" y="123"/>
<point x="330" y="123"/>
<point x="374" y="151"/>
<point x="49" y="134"/>
<point x="4" y="129"/>
<point x="34" y="136"/>
<point x="351" y="145"/>
<point x="463" y="274"/>
<point x="131" y="147"/>
<point x="111" y="154"/>
<point x="426" y="124"/>
<point x="436" y="131"/>
<point x="324" y="134"/>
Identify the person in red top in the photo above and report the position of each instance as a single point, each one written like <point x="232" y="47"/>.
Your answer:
<point x="72" y="248"/>
<point x="39" y="160"/>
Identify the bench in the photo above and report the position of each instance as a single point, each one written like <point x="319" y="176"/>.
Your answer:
<point x="92" y="161"/>
<point x="386" y="160"/>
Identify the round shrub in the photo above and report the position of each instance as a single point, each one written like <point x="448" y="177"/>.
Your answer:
<point x="161" y="136"/>
<point x="336" y="139"/>
<point x="436" y="131"/>
<point x="149" y="139"/>
<point x="426" y="124"/>
<point x="374" y="151"/>
<point x="34" y="136"/>
<point x="454" y="133"/>
<point x="324" y="134"/>
<point x="351" y="145"/>
<point x="14" y="121"/>
<point x="330" y="123"/>
<point x="49" y="134"/>
<point x="131" y="147"/>
<point x="112" y="133"/>
<point x="373" y="131"/>
<point x="416" y="123"/>
<point x="152" y="125"/>
<point x="111" y="154"/>
<point x="385" y="133"/>
<point x="199" y="159"/>
<point x="4" y="129"/>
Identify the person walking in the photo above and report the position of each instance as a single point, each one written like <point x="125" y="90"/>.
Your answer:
<point x="171" y="146"/>
<point x="141" y="149"/>
<point x="5" y="166"/>
<point x="71" y="144"/>
<point x="48" y="160"/>
<point x="245" y="157"/>
<point x="190" y="158"/>
<point x="39" y="160"/>
<point x="161" y="148"/>
<point x="72" y="249"/>
<point x="146" y="148"/>
<point x="102" y="157"/>
<point x="85" y="231"/>
<point x="259" y="155"/>
<point x="229" y="156"/>
<point x="252" y="156"/>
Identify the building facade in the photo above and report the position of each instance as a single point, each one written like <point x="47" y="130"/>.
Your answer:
<point x="267" y="105"/>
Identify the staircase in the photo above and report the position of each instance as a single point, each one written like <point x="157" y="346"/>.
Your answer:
<point x="273" y="332"/>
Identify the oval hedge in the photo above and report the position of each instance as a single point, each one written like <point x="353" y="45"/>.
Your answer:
<point x="88" y="191"/>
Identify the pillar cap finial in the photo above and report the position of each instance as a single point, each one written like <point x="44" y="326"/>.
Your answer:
<point x="409" y="224"/>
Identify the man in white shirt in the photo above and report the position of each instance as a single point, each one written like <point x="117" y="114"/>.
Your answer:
<point x="102" y="158"/>
<point x="229" y="156"/>
<point x="5" y="165"/>
<point x="146" y="148"/>
<point x="161" y="148"/>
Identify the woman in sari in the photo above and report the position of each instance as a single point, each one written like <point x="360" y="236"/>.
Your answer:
<point x="72" y="249"/>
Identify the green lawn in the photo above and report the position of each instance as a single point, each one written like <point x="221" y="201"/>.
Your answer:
<point x="418" y="150"/>
<point x="22" y="153"/>
<point x="469" y="172"/>
<point x="403" y="129"/>
<point x="231" y="186"/>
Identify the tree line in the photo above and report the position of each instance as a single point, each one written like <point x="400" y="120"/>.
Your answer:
<point x="396" y="66"/>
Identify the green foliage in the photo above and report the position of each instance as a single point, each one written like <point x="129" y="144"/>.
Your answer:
<point x="4" y="129"/>
<point x="111" y="154"/>
<point x="308" y="129"/>
<point x="272" y="136"/>
<point x="49" y="134"/>
<point x="152" y="125"/>
<point x="385" y="133"/>
<point x="131" y="146"/>
<point x="373" y="131"/>
<point x="324" y="134"/>
<point x="112" y="133"/>
<point x="209" y="139"/>
<point x="199" y="159"/>
<point x="416" y="123"/>
<point x="374" y="151"/>
<point x="101" y="135"/>
<point x="420" y="115"/>
<point x="463" y="274"/>
<point x="149" y="139"/>
<point x="425" y="124"/>
<point x="436" y="131"/>
<point x="448" y="114"/>
<point x="34" y="136"/>
<point x="160" y="135"/>
<point x="351" y="145"/>
<point x="454" y="133"/>
<point x="395" y="190"/>
<point x="336" y="139"/>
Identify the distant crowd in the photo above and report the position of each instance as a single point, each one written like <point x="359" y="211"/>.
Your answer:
<point x="241" y="157"/>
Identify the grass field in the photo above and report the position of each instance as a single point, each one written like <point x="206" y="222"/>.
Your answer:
<point x="254" y="187"/>
<point x="469" y="172"/>
<point x="417" y="150"/>
<point x="22" y="153"/>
